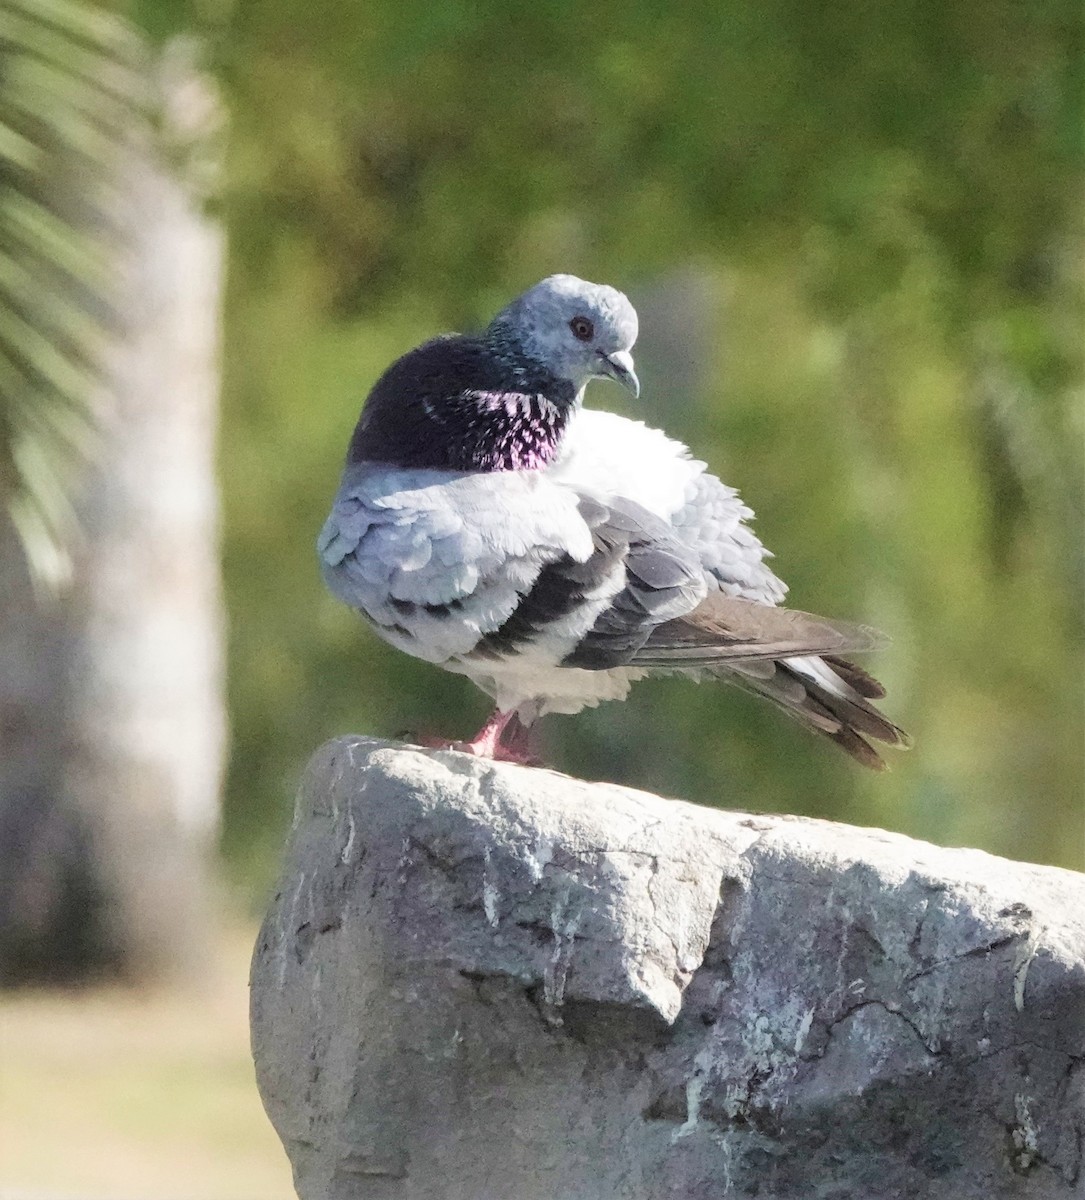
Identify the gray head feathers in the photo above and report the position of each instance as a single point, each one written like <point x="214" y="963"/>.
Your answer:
<point x="577" y="330"/>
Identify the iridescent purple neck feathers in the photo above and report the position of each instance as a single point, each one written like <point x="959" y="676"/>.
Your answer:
<point x="464" y="404"/>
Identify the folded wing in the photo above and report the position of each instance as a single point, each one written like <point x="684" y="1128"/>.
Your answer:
<point x="668" y="617"/>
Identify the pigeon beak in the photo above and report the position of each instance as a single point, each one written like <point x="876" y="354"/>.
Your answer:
<point x="619" y="367"/>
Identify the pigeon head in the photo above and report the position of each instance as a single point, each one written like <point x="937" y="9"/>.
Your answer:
<point x="577" y="330"/>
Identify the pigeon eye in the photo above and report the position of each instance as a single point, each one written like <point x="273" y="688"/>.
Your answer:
<point x="583" y="329"/>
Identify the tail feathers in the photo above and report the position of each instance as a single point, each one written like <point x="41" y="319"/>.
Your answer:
<point x="831" y="696"/>
<point x="859" y="748"/>
<point x="855" y="677"/>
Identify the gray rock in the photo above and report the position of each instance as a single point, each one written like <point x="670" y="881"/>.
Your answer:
<point x="484" y="982"/>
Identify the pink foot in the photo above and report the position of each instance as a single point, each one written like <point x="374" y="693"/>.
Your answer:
<point x="503" y="738"/>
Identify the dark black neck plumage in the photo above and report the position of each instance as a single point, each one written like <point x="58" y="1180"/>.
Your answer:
<point x="465" y="404"/>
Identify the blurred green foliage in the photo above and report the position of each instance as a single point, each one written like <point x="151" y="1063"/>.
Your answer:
<point x="69" y="97"/>
<point x="880" y="206"/>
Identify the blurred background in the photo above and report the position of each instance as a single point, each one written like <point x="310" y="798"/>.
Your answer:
<point x="854" y="234"/>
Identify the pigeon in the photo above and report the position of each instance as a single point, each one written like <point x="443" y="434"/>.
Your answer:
<point x="490" y="524"/>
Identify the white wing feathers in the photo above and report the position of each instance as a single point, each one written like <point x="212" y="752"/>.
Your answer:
<point x="613" y="458"/>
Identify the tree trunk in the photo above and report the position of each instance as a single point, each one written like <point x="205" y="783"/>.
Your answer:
<point x="113" y="716"/>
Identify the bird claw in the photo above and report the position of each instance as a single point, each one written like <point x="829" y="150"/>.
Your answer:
<point x="520" y="755"/>
<point x="503" y="739"/>
<point x="498" y="751"/>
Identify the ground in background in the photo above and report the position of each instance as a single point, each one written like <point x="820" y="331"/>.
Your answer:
<point x="111" y="1094"/>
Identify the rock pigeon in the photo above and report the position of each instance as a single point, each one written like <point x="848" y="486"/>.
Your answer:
<point x="490" y="524"/>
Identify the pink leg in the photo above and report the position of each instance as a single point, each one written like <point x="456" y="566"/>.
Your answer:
<point x="517" y="744"/>
<point x="487" y="742"/>
<point x="504" y="737"/>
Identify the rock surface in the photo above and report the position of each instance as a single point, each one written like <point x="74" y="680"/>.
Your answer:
<point x="484" y="982"/>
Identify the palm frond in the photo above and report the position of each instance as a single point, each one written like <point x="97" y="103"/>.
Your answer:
<point x="69" y="98"/>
